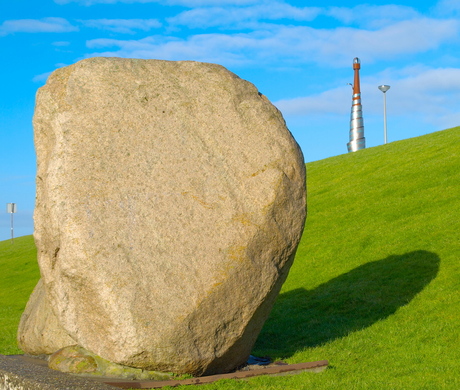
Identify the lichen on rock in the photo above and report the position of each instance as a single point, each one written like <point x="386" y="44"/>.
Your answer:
<point x="77" y="360"/>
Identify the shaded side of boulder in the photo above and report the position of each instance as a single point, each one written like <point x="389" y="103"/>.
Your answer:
<point x="39" y="331"/>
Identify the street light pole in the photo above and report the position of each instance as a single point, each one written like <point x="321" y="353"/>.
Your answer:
<point x="11" y="209"/>
<point x="384" y="89"/>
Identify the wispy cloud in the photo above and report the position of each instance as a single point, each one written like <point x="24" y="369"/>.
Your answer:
<point x="372" y="16"/>
<point x="206" y="48"/>
<point x="61" y="43"/>
<point x="432" y="94"/>
<point x="237" y="17"/>
<point x="401" y="38"/>
<point x="448" y="7"/>
<point x="333" y="101"/>
<point x="367" y="16"/>
<point x="434" y="91"/>
<point x="201" y="3"/>
<point x="45" y="25"/>
<point x="292" y="44"/>
<point x="40" y="78"/>
<point x="122" y="26"/>
<point x="92" y="2"/>
<point x="185" y="3"/>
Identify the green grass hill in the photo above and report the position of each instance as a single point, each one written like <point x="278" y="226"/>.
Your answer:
<point x="375" y="287"/>
<point x="18" y="276"/>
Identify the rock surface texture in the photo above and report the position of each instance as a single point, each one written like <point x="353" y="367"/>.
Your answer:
<point x="170" y="202"/>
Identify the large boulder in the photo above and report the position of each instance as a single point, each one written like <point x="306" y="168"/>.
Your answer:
<point x="170" y="202"/>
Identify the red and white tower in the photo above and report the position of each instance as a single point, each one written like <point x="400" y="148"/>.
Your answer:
<point x="357" y="140"/>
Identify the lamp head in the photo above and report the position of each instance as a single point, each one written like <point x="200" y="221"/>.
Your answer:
<point x="384" y="88"/>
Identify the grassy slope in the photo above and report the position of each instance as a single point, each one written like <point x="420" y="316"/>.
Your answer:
<point x="375" y="285"/>
<point x="18" y="276"/>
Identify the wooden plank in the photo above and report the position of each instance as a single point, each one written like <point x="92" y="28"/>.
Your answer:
<point x="273" y="370"/>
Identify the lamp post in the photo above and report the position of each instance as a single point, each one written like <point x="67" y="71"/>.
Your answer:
<point x="384" y="89"/>
<point x="11" y="209"/>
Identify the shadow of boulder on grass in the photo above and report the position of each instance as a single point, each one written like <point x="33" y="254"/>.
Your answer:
<point x="347" y="303"/>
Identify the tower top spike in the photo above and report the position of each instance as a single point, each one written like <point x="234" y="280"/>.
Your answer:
<point x="356" y="83"/>
<point x="356" y="64"/>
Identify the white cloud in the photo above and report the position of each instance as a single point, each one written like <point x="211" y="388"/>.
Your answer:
<point x="185" y="3"/>
<point x="372" y="16"/>
<point x="448" y="7"/>
<point x="201" y="3"/>
<point x="446" y="121"/>
<point x="431" y="95"/>
<point x="293" y="44"/>
<point x="122" y="26"/>
<point x="333" y="101"/>
<point x="434" y="81"/>
<point x="92" y="2"/>
<point x="206" y="48"/>
<point x="236" y="16"/>
<point x="40" y="78"/>
<point x="400" y="39"/>
<point x="61" y="43"/>
<point x="50" y="25"/>
<point x="431" y="92"/>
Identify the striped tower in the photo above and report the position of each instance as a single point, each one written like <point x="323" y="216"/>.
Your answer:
<point x="357" y="140"/>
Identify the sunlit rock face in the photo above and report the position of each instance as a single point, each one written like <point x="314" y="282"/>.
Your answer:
<point x="170" y="202"/>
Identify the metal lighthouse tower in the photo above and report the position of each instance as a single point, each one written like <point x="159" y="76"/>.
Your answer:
<point x="357" y="140"/>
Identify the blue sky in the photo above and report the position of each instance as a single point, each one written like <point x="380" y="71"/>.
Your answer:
<point x="299" y="54"/>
